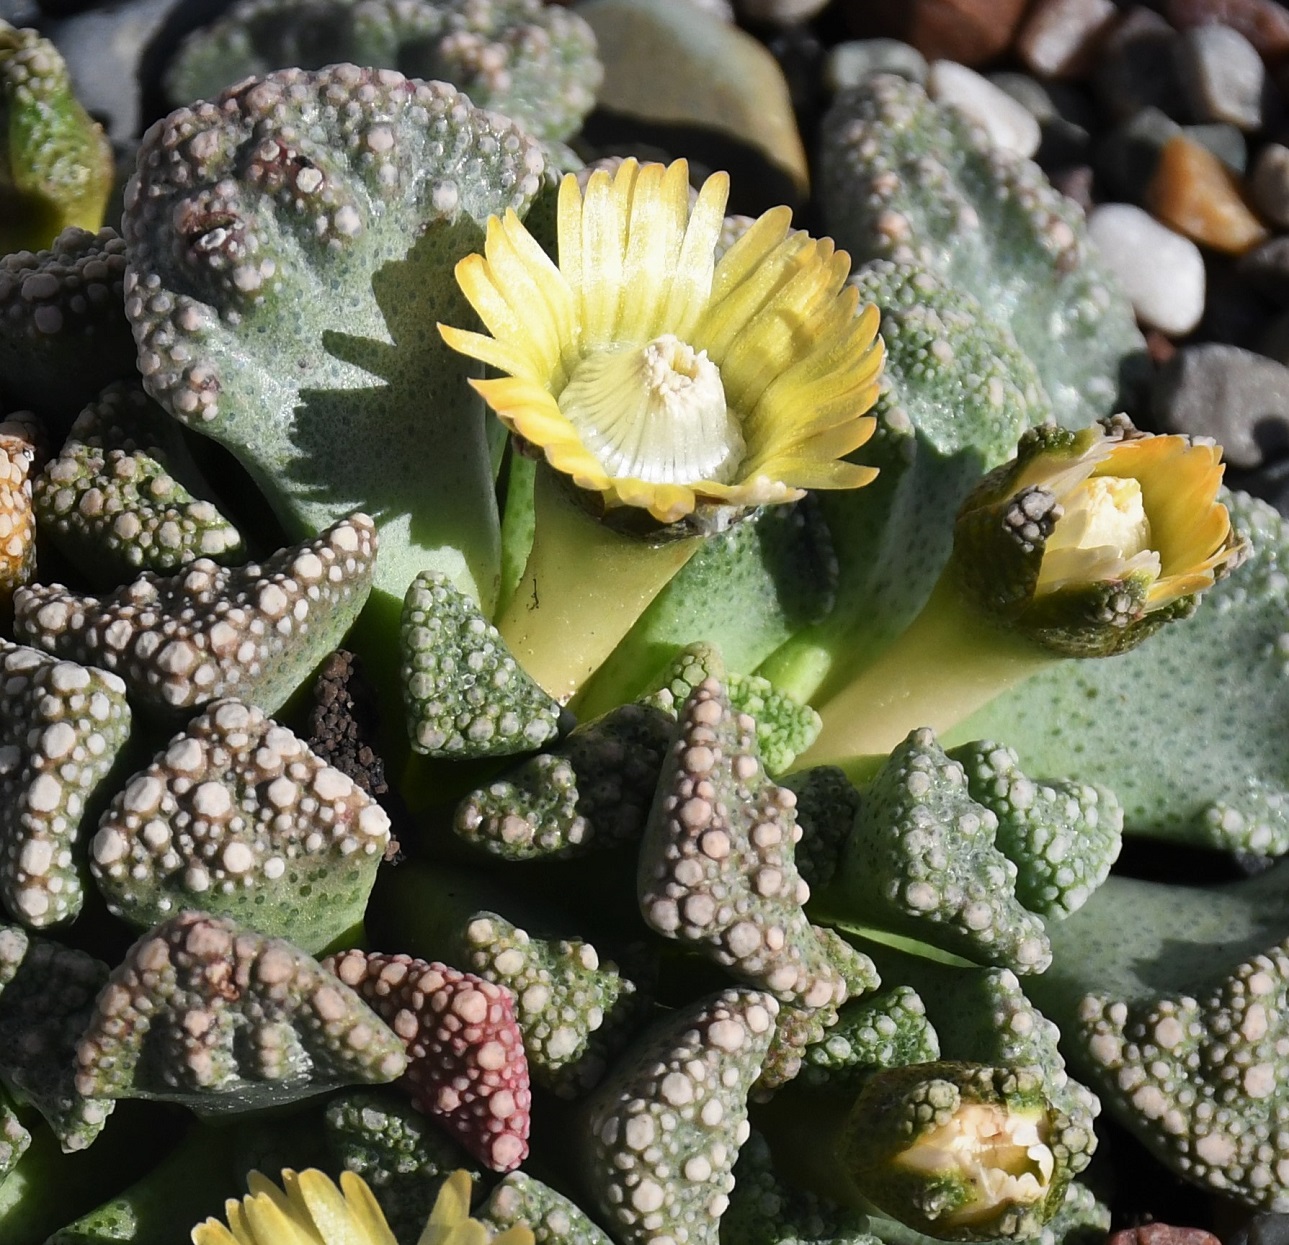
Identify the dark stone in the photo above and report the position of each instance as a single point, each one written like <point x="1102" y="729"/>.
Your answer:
<point x="1238" y="398"/>
<point x="1138" y="67"/>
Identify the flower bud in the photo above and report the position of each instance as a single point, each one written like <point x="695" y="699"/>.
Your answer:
<point x="962" y="1151"/>
<point x="1089" y="541"/>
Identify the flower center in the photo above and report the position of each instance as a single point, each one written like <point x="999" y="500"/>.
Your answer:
<point x="1103" y="534"/>
<point x="1000" y="1156"/>
<point x="655" y="413"/>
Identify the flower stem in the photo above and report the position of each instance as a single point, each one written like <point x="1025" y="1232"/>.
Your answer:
<point x="582" y="589"/>
<point x="950" y="661"/>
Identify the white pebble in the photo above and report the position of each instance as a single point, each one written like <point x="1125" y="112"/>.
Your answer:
<point x="1008" y="124"/>
<point x="1161" y="272"/>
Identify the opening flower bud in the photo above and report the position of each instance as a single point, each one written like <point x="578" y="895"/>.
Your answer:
<point x="1089" y="541"/>
<point x="1001" y="1157"/>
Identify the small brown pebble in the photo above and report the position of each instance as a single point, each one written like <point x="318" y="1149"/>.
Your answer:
<point x="1060" y="38"/>
<point x="967" y="31"/>
<point x="1263" y="23"/>
<point x="1161" y="1234"/>
<point x="1195" y="193"/>
<point x="1159" y="347"/>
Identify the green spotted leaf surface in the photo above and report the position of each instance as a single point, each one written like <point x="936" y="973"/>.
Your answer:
<point x="1184" y="728"/>
<point x="291" y="251"/>
<point x="906" y="179"/>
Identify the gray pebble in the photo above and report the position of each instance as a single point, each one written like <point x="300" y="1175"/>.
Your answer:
<point x="1226" y="142"/>
<point x="1060" y="36"/>
<point x="779" y="12"/>
<point x="19" y="12"/>
<point x="721" y="9"/>
<point x="851" y="64"/>
<point x="1137" y="68"/>
<point x="1266" y="269"/>
<point x="1222" y="75"/>
<point x="1063" y="113"/>
<point x="1161" y="272"/>
<point x="1269" y="184"/>
<point x="1238" y="398"/>
<point x="1126" y="158"/>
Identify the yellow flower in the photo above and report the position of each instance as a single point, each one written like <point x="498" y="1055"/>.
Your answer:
<point x="1148" y="506"/>
<point x="1089" y="541"/>
<point x="659" y="378"/>
<point x="312" y="1211"/>
<point x="450" y="1222"/>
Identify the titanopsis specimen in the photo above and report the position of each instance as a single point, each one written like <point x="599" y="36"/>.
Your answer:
<point x="238" y="816"/>
<point x="225" y="1019"/>
<point x="717" y="869"/>
<point x="47" y="994"/>
<point x="464" y="693"/>
<point x="664" y="1130"/>
<point x="291" y="248"/>
<point x="921" y="861"/>
<point x="55" y="161"/>
<point x="63" y="331"/>
<point x="912" y="181"/>
<point x="253" y="631"/>
<point x="466" y="1064"/>
<point x="533" y="62"/>
<point x="114" y="501"/>
<point x="61" y="726"/>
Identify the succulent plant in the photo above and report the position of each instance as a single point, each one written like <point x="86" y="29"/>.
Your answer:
<point x="662" y="1133"/>
<point x="1204" y="688"/>
<point x="56" y="168"/>
<point x="206" y="1012"/>
<point x="47" y="995"/>
<point x="61" y="727"/>
<point x="466" y="1064"/>
<point x="716" y="863"/>
<point x="554" y="1219"/>
<point x="114" y="499"/>
<point x="237" y="816"/>
<point x="533" y="62"/>
<point x="592" y="790"/>
<point x="401" y="1153"/>
<point x="289" y="249"/>
<point x="63" y="331"/>
<point x="465" y="694"/>
<point x="209" y="631"/>
<point x="910" y="180"/>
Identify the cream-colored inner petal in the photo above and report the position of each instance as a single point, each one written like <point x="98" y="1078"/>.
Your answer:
<point x="655" y="413"/>
<point x="1103" y="534"/>
<point x="1003" y="1156"/>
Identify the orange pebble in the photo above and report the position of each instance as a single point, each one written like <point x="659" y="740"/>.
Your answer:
<point x="1195" y="193"/>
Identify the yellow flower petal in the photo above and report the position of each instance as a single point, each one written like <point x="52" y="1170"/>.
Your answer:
<point x="212" y="1232"/>
<point x="475" y="277"/>
<point x="497" y="354"/>
<point x="568" y="237"/>
<point x="604" y="228"/>
<point x="366" y="1210"/>
<point x="524" y="285"/>
<point x="691" y="283"/>
<point x="750" y="251"/>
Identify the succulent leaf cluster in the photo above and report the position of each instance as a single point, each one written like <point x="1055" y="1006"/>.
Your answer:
<point x="739" y="996"/>
<point x="533" y="62"/>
